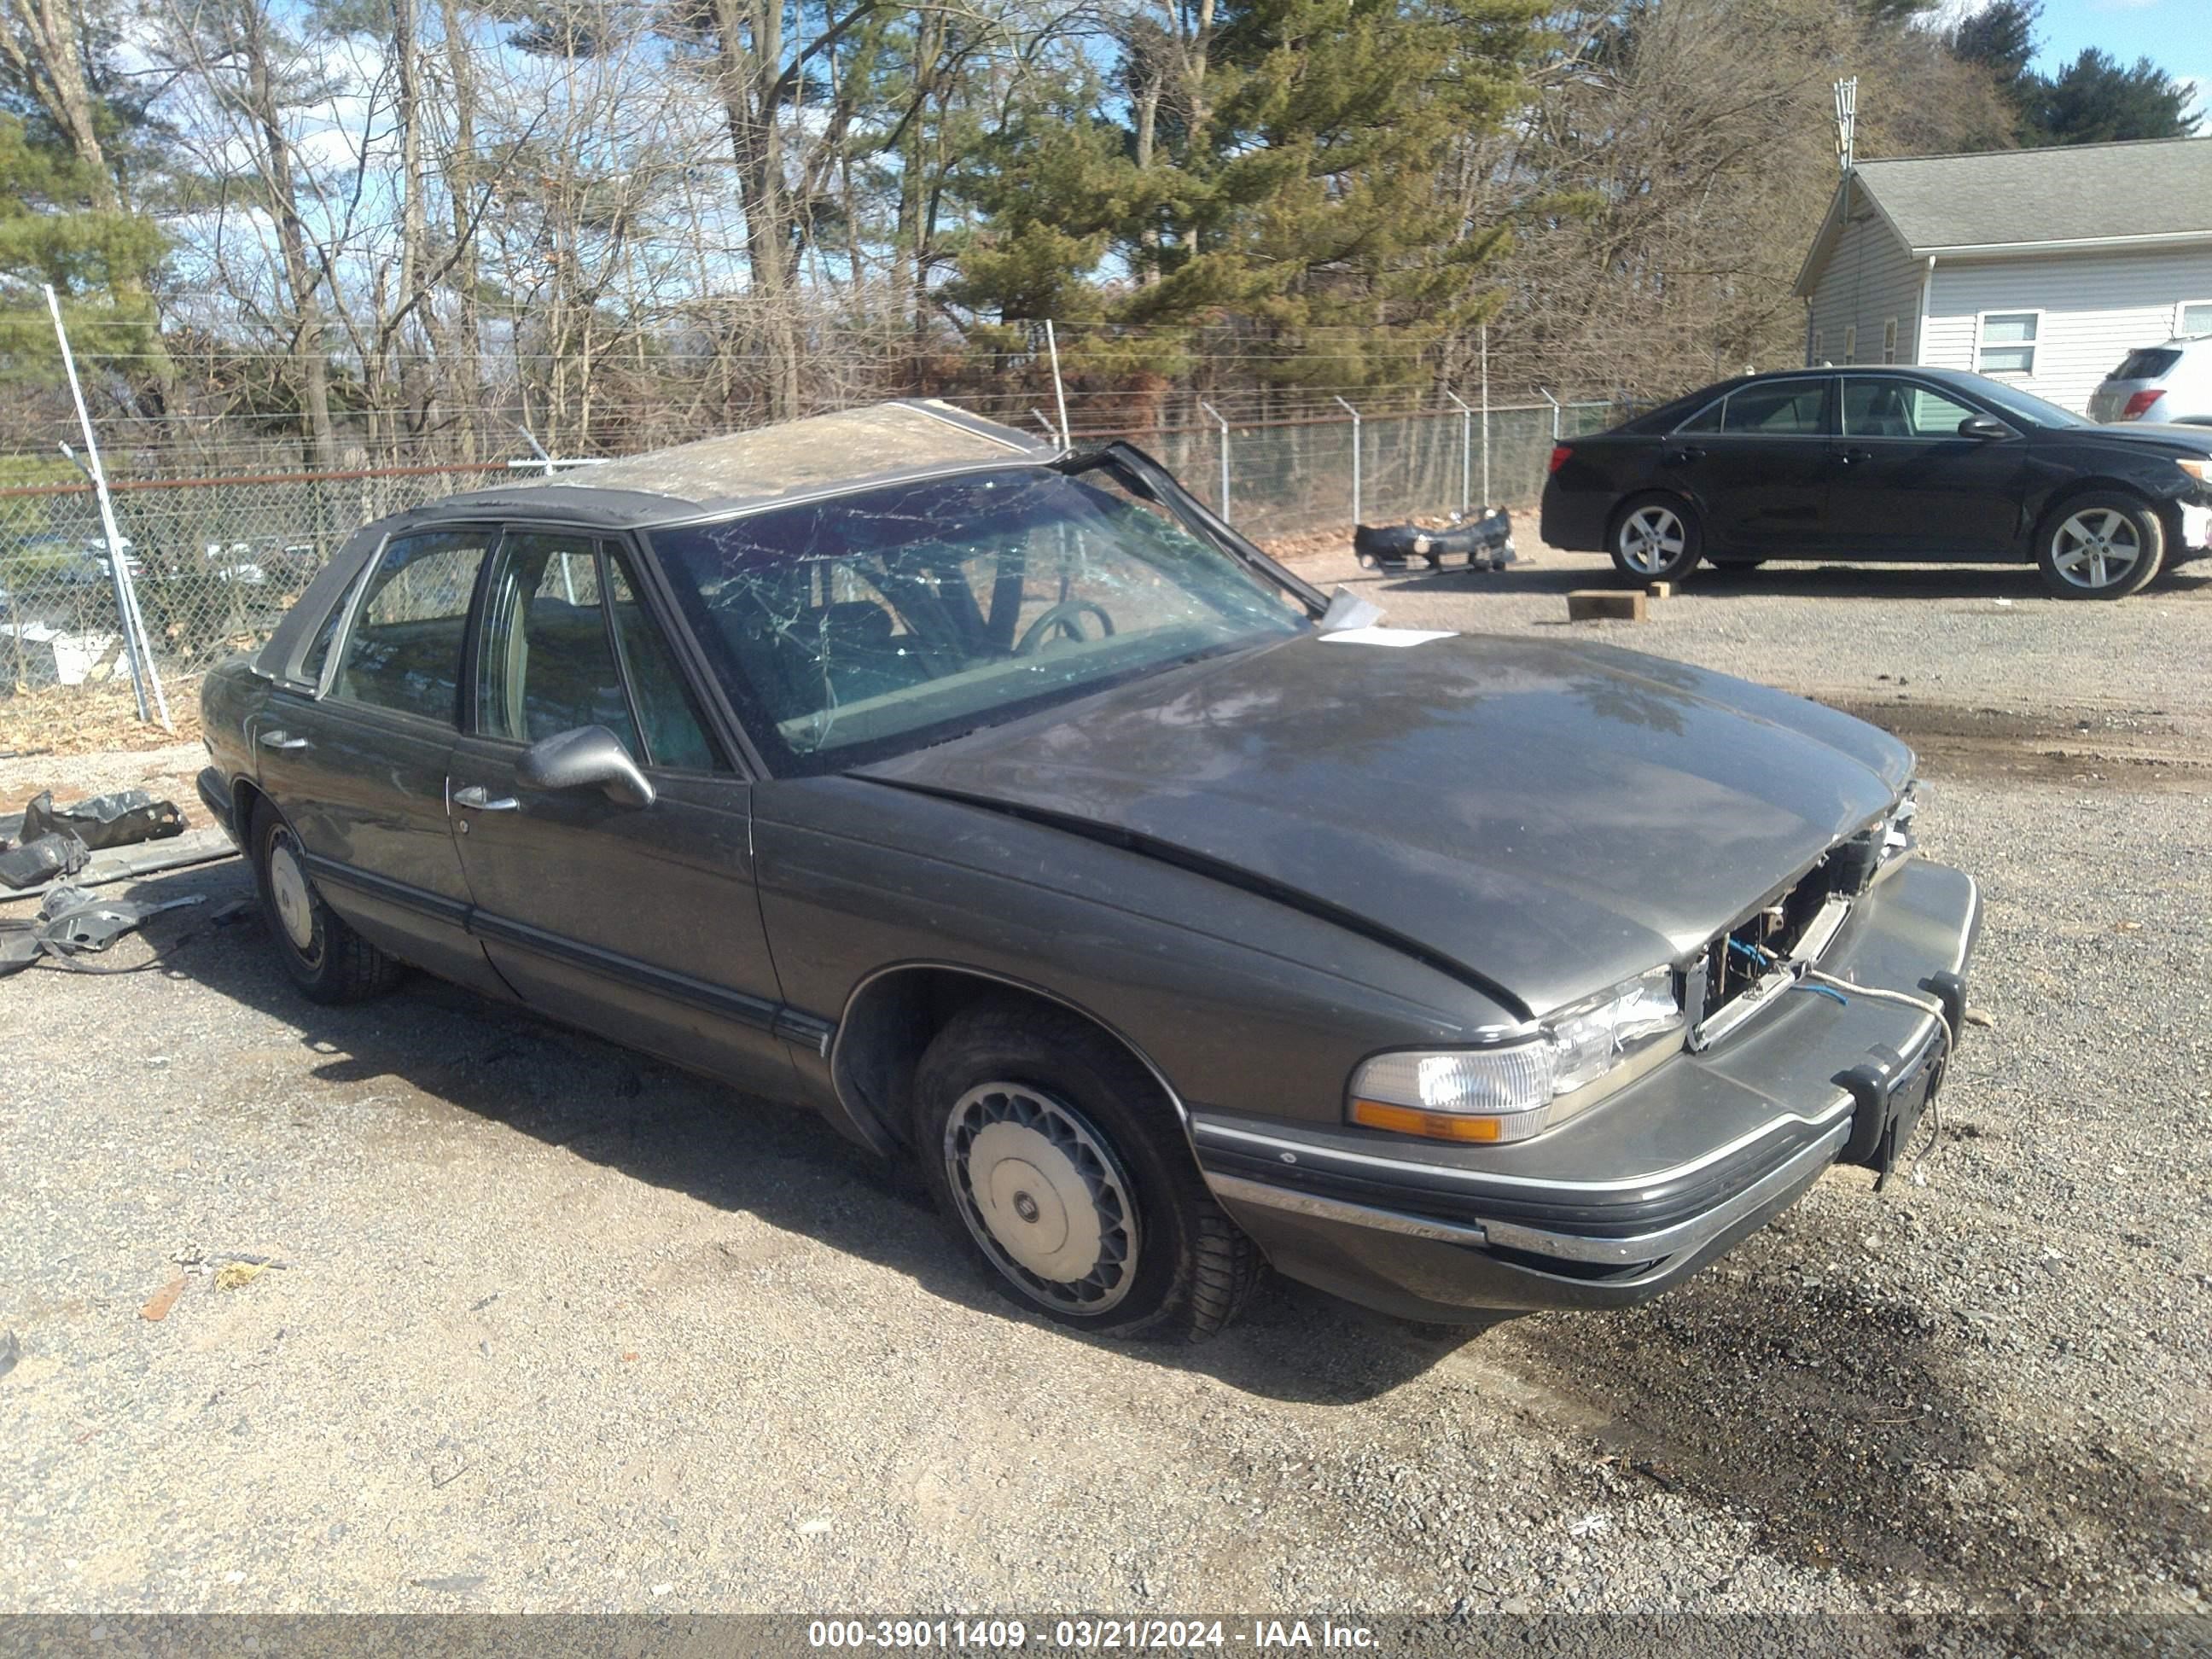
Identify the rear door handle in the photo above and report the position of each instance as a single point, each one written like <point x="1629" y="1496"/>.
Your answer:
<point x="1851" y="457"/>
<point x="1678" y="457"/>
<point x="477" y="799"/>
<point x="283" y="740"/>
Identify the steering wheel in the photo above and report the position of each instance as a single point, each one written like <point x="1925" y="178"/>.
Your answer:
<point x="1062" y="616"/>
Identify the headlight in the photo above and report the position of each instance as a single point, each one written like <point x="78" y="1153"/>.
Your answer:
<point x="2200" y="471"/>
<point x="1517" y="1090"/>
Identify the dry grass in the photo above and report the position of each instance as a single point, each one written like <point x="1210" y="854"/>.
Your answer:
<point x="78" y="719"/>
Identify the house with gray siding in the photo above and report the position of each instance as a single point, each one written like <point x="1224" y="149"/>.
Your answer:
<point x="2041" y="267"/>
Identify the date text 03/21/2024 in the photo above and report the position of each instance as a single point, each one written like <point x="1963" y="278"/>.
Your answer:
<point x="1087" y="1634"/>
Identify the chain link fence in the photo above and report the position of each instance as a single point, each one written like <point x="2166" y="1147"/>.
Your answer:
<point x="215" y="561"/>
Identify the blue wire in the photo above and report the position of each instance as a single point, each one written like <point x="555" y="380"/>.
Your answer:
<point x="1825" y="991"/>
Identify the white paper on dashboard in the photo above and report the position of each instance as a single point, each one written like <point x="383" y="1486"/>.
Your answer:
<point x="1398" y="638"/>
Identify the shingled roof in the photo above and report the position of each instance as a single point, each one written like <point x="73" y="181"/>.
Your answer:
<point x="2017" y="200"/>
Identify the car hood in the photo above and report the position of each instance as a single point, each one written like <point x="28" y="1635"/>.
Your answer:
<point x="2164" y="436"/>
<point x="1547" y="818"/>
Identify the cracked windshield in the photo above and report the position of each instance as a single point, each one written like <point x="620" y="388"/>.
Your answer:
<point x="850" y="629"/>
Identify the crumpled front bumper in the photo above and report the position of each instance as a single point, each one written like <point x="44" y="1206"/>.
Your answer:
<point x="1638" y="1192"/>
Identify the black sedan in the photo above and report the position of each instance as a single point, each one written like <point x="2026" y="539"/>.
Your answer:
<point x="1012" y="811"/>
<point x="1918" y="464"/>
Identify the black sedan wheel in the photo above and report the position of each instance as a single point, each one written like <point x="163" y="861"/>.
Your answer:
<point x="327" y="959"/>
<point x="1059" y="1160"/>
<point x="2104" y="546"/>
<point x="1656" y="538"/>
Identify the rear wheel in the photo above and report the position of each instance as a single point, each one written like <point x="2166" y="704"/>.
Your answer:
<point x="326" y="958"/>
<point x="1055" y="1156"/>
<point x="2103" y="545"/>
<point x="1656" y="538"/>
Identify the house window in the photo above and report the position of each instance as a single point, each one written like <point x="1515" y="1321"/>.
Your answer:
<point x="1889" y="341"/>
<point x="2005" y="342"/>
<point x="1850" y="343"/>
<point x="2196" y="318"/>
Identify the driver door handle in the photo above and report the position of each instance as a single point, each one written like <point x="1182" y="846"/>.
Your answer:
<point x="1853" y="457"/>
<point x="1680" y="455"/>
<point x="477" y="799"/>
<point x="282" y="741"/>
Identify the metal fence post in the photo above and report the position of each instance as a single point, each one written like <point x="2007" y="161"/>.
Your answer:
<point x="137" y="649"/>
<point x="1554" y="403"/>
<point x="1354" y="413"/>
<point x="1485" y="414"/>
<point x="1466" y="454"/>
<point x="1219" y="421"/>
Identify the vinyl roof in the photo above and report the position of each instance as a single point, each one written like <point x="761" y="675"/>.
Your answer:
<point x="790" y="460"/>
<point x="1996" y="202"/>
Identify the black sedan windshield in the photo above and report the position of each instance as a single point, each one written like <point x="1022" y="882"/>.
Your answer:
<point x="853" y="629"/>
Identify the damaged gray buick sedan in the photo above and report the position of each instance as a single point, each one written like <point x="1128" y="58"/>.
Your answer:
<point x="1016" y="813"/>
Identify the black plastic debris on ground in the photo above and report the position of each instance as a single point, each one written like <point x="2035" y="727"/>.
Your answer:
<point x="46" y="842"/>
<point x="73" y="922"/>
<point x="1485" y="541"/>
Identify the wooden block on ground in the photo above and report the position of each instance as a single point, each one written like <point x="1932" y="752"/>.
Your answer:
<point x="1660" y="590"/>
<point x="1599" y="604"/>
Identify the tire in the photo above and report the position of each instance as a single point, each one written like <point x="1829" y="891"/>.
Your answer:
<point x="2101" y="545"/>
<point x="1655" y="538"/>
<point x="326" y="958"/>
<point x="1068" y="1119"/>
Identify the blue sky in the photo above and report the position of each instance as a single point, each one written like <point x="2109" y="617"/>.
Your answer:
<point x="2175" y="35"/>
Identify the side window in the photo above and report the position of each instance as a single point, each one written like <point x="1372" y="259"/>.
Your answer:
<point x="1707" y="419"/>
<point x="1788" y="410"/>
<point x="548" y="663"/>
<point x="1881" y="408"/>
<point x="319" y="650"/>
<point x="674" y="731"/>
<point x="404" y="651"/>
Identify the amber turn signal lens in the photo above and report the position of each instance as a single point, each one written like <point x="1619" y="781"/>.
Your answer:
<point x="1437" y="1126"/>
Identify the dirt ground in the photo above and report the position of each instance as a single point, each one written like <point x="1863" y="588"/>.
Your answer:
<point x="556" y="1328"/>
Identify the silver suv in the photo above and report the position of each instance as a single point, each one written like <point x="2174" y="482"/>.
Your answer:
<point x="2169" y="382"/>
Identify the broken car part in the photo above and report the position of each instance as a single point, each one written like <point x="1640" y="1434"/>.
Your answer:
<point x="1485" y="543"/>
<point x="72" y="922"/>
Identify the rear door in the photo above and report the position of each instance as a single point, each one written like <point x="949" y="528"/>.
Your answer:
<point x="1908" y="485"/>
<point x="357" y="764"/>
<point x="641" y="923"/>
<point x="1757" y="464"/>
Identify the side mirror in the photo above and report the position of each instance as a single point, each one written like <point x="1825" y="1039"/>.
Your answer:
<point x="589" y="757"/>
<point x="1983" y="426"/>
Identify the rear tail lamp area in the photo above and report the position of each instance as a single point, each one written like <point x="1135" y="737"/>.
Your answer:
<point x="1560" y="452"/>
<point x="2138" y="405"/>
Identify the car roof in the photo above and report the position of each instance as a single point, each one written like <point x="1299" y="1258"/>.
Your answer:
<point x="737" y="471"/>
<point x="907" y="439"/>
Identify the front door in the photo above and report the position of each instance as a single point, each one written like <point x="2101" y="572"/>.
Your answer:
<point x="1908" y="485"/>
<point x="641" y="923"/>
<point x="1757" y="464"/>
<point x="359" y="771"/>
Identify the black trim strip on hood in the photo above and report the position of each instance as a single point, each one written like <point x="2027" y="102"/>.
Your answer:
<point x="1228" y="875"/>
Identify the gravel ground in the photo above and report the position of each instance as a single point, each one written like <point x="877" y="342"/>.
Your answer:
<point x="558" y="1328"/>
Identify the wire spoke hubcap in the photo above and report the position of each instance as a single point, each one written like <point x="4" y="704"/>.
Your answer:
<point x="1043" y="1195"/>
<point x="1651" y="539"/>
<point x="287" y="885"/>
<point x="2096" y="547"/>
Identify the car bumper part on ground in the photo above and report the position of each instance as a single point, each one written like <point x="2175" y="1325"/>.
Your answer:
<point x="1634" y="1196"/>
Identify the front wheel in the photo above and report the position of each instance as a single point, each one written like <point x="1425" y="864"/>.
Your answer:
<point x="1656" y="538"/>
<point x="2103" y="545"/>
<point x="1058" y="1158"/>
